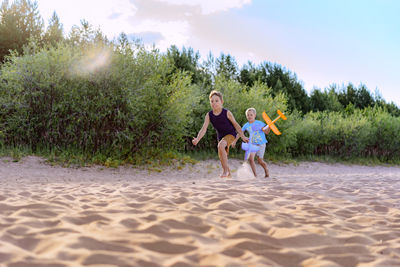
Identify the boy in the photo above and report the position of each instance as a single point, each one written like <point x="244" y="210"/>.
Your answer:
<point x="257" y="138"/>
<point x="225" y="125"/>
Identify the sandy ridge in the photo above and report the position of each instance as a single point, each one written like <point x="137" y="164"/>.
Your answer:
<point x="308" y="215"/>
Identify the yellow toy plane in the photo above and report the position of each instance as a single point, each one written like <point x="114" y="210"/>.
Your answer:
<point x="271" y="123"/>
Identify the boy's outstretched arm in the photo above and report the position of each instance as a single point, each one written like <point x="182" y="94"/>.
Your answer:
<point x="237" y="127"/>
<point x="202" y="131"/>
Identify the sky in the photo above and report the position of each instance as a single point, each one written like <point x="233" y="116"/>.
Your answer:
<point x="322" y="42"/>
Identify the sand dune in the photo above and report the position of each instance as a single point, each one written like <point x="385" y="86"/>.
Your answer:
<point x="312" y="214"/>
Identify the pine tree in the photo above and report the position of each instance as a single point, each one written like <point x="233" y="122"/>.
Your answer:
<point x="54" y="33"/>
<point x="19" y="22"/>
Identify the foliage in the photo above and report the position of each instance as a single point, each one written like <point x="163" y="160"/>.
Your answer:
<point x="96" y="97"/>
<point x="187" y="60"/>
<point x="85" y="34"/>
<point x="327" y="100"/>
<point x="359" y="97"/>
<point x="364" y="133"/>
<point x="348" y="98"/>
<point x="226" y="67"/>
<point x="280" y="80"/>
<point x="54" y="32"/>
<point x="19" y="22"/>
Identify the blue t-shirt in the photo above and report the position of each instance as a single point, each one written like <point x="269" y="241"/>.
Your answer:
<point x="255" y="130"/>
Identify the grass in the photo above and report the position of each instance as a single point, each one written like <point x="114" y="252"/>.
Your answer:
<point x="203" y="155"/>
<point x="150" y="159"/>
<point x="155" y="159"/>
<point x="288" y="159"/>
<point x="365" y="161"/>
<point x="16" y="153"/>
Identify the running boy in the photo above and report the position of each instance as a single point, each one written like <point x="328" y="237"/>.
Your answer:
<point x="255" y="129"/>
<point x="225" y="125"/>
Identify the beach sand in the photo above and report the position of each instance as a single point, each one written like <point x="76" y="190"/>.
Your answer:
<point x="312" y="214"/>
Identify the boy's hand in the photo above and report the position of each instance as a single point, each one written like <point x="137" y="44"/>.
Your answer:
<point x="195" y="141"/>
<point x="233" y="144"/>
<point x="266" y="129"/>
<point x="245" y="139"/>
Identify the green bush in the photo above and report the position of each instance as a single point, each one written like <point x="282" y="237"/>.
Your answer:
<point x="371" y="132"/>
<point x="97" y="98"/>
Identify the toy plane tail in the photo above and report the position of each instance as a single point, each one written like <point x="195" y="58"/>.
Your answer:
<point x="281" y="115"/>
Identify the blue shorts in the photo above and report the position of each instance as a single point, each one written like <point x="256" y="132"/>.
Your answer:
<point x="261" y="151"/>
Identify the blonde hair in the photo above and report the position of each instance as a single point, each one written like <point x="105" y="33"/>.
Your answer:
<point x="217" y="93"/>
<point x="251" y="109"/>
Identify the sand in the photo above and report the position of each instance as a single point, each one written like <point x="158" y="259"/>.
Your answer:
<point x="312" y="214"/>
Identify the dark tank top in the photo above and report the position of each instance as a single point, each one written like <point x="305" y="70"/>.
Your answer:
<point x="222" y="124"/>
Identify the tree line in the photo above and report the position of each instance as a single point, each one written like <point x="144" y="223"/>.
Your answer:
<point x="116" y="98"/>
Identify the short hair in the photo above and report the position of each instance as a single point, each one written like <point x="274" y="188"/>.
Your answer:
<point x="217" y="93"/>
<point x="251" y="109"/>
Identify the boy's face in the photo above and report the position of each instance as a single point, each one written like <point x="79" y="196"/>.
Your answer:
<point x="216" y="102"/>
<point x="251" y="116"/>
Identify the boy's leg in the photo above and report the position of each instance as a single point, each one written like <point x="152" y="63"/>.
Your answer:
<point x="260" y="154"/>
<point x="264" y="165"/>
<point x="223" y="151"/>
<point x="223" y="157"/>
<point x="252" y="163"/>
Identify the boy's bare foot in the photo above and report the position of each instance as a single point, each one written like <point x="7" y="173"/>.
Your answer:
<point x="266" y="173"/>
<point x="226" y="175"/>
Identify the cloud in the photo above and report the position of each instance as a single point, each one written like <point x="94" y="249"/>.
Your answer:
<point x="112" y="17"/>
<point x="190" y="23"/>
<point x="200" y="24"/>
<point x="209" y="6"/>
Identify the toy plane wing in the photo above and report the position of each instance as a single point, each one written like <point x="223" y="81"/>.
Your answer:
<point x="270" y="123"/>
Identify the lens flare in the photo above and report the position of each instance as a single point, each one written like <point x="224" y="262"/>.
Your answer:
<point x="93" y="60"/>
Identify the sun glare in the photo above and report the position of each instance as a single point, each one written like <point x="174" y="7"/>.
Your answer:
<point x="94" y="60"/>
